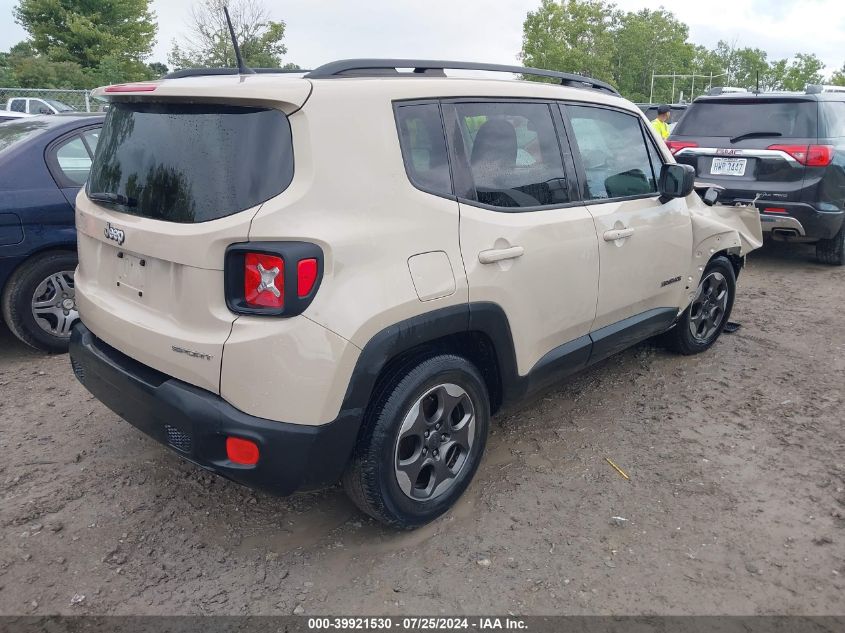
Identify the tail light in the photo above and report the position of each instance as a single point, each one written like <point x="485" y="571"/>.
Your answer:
<point x="809" y="155"/>
<point x="264" y="281"/>
<point x="677" y="146"/>
<point x="272" y="278"/>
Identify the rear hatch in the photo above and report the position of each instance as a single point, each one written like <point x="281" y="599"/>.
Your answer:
<point x="748" y="145"/>
<point x="172" y="185"/>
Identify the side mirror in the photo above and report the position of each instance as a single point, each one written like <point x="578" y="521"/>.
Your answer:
<point x="45" y="111"/>
<point x="676" y="181"/>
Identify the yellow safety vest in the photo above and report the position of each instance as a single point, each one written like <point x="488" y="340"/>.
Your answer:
<point x="662" y="128"/>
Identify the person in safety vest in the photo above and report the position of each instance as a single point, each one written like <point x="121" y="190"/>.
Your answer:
<point x="661" y="123"/>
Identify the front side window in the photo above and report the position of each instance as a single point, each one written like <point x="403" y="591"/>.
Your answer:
<point x="513" y="154"/>
<point x="37" y="106"/>
<point x="187" y="163"/>
<point x="74" y="160"/>
<point x="424" y="147"/>
<point x="613" y="153"/>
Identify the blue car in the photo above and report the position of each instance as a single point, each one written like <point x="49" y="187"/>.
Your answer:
<point x="44" y="161"/>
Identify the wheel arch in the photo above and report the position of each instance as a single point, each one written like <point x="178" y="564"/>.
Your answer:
<point x="478" y="332"/>
<point x="25" y="259"/>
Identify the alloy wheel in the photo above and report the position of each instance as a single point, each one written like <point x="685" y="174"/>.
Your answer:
<point x="709" y="307"/>
<point x="434" y="442"/>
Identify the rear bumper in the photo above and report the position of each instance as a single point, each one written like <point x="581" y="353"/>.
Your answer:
<point x="195" y="423"/>
<point x="803" y="219"/>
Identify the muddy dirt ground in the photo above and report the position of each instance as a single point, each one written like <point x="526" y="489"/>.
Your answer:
<point x="736" y="502"/>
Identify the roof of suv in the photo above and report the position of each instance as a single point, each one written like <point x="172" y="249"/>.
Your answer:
<point x="763" y="96"/>
<point x="427" y="80"/>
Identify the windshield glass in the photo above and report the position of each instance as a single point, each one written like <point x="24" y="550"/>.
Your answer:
<point x="191" y="162"/>
<point x="787" y="118"/>
<point x="17" y="131"/>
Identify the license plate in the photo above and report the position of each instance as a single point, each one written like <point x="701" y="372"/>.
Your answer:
<point x="131" y="273"/>
<point x="728" y="166"/>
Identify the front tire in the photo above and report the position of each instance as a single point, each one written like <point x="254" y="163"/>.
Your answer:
<point x="39" y="301"/>
<point x="705" y="317"/>
<point x="832" y="251"/>
<point x="421" y="442"/>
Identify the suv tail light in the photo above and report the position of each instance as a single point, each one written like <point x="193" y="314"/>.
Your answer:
<point x="264" y="281"/>
<point x="809" y="155"/>
<point x="272" y="278"/>
<point x="677" y="146"/>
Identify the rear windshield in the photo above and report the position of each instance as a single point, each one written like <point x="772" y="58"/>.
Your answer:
<point x="17" y="131"/>
<point x="191" y="162"/>
<point x="787" y="118"/>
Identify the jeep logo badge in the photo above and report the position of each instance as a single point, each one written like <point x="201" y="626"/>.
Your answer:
<point x="112" y="233"/>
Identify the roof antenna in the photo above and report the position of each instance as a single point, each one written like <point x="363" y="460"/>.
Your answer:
<point x="243" y="69"/>
<point x="758" y="82"/>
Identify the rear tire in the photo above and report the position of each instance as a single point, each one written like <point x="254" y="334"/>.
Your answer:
<point x="706" y="315"/>
<point x="421" y="442"/>
<point x="832" y="251"/>
<point x="42" y="285"/>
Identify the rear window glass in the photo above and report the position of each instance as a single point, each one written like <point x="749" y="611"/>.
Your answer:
<point x="514" y="156"/>
<point x="787" y="118"/>
<point x="19" y="130"/>
<point x="191" y="162"/>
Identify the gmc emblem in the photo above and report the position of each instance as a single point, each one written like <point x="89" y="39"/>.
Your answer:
<point x="729" y="152"/>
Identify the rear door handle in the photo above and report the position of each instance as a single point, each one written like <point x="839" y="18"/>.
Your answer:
<point x="617" y="234"/>
<point x="498" y="254"/>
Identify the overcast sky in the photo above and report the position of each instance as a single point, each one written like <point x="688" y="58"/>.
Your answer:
<point x="491" y="30"/>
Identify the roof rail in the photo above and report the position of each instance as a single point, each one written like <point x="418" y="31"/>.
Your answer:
<point x="814" y="89"/>
<point x="201" y="72"/>
<point x="428" y="67"/>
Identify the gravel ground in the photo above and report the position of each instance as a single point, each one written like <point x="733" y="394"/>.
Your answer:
<point x="736" y="502"/>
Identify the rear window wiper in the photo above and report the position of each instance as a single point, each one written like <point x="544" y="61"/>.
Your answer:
<point x="113" y="198"/>
<point x="754" y="135"/>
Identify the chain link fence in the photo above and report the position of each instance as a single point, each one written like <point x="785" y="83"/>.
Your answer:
<point x="48" y="100"/>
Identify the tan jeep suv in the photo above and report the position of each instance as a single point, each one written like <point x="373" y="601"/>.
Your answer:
<point x="293" y="279"/>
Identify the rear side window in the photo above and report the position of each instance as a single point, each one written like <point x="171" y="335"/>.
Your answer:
<point x="18" y="105"/>
<point x="424" y="147"/>
<point x="191" y="162"/>
<point x="613" y="152"/>
<point x="834" y="114"/>
<point x="74" y="160"/>
<point x="513" y="154"/>
<point x="788" y="118"/>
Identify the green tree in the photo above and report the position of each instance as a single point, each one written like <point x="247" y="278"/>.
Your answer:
<point x="804" y="69"/>
<point x="26" y="69"/>
<point x="838" y="77"/>
<point x="157" y="70"/>
<point x="742" y="65"/>
<point x="650" y="42"/>
<point x="87" y="33"/>
<point x="574" y="36"/>
<point x="209" y="44"/>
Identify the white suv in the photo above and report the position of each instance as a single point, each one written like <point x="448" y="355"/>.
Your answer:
<point x="296" y="279"/>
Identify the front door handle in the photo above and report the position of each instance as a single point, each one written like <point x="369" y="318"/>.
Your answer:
<point x="498" y="254"/>
<point x="617" y="234"/>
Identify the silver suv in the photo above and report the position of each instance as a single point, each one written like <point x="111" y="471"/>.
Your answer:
<point x="293" y="279"/>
